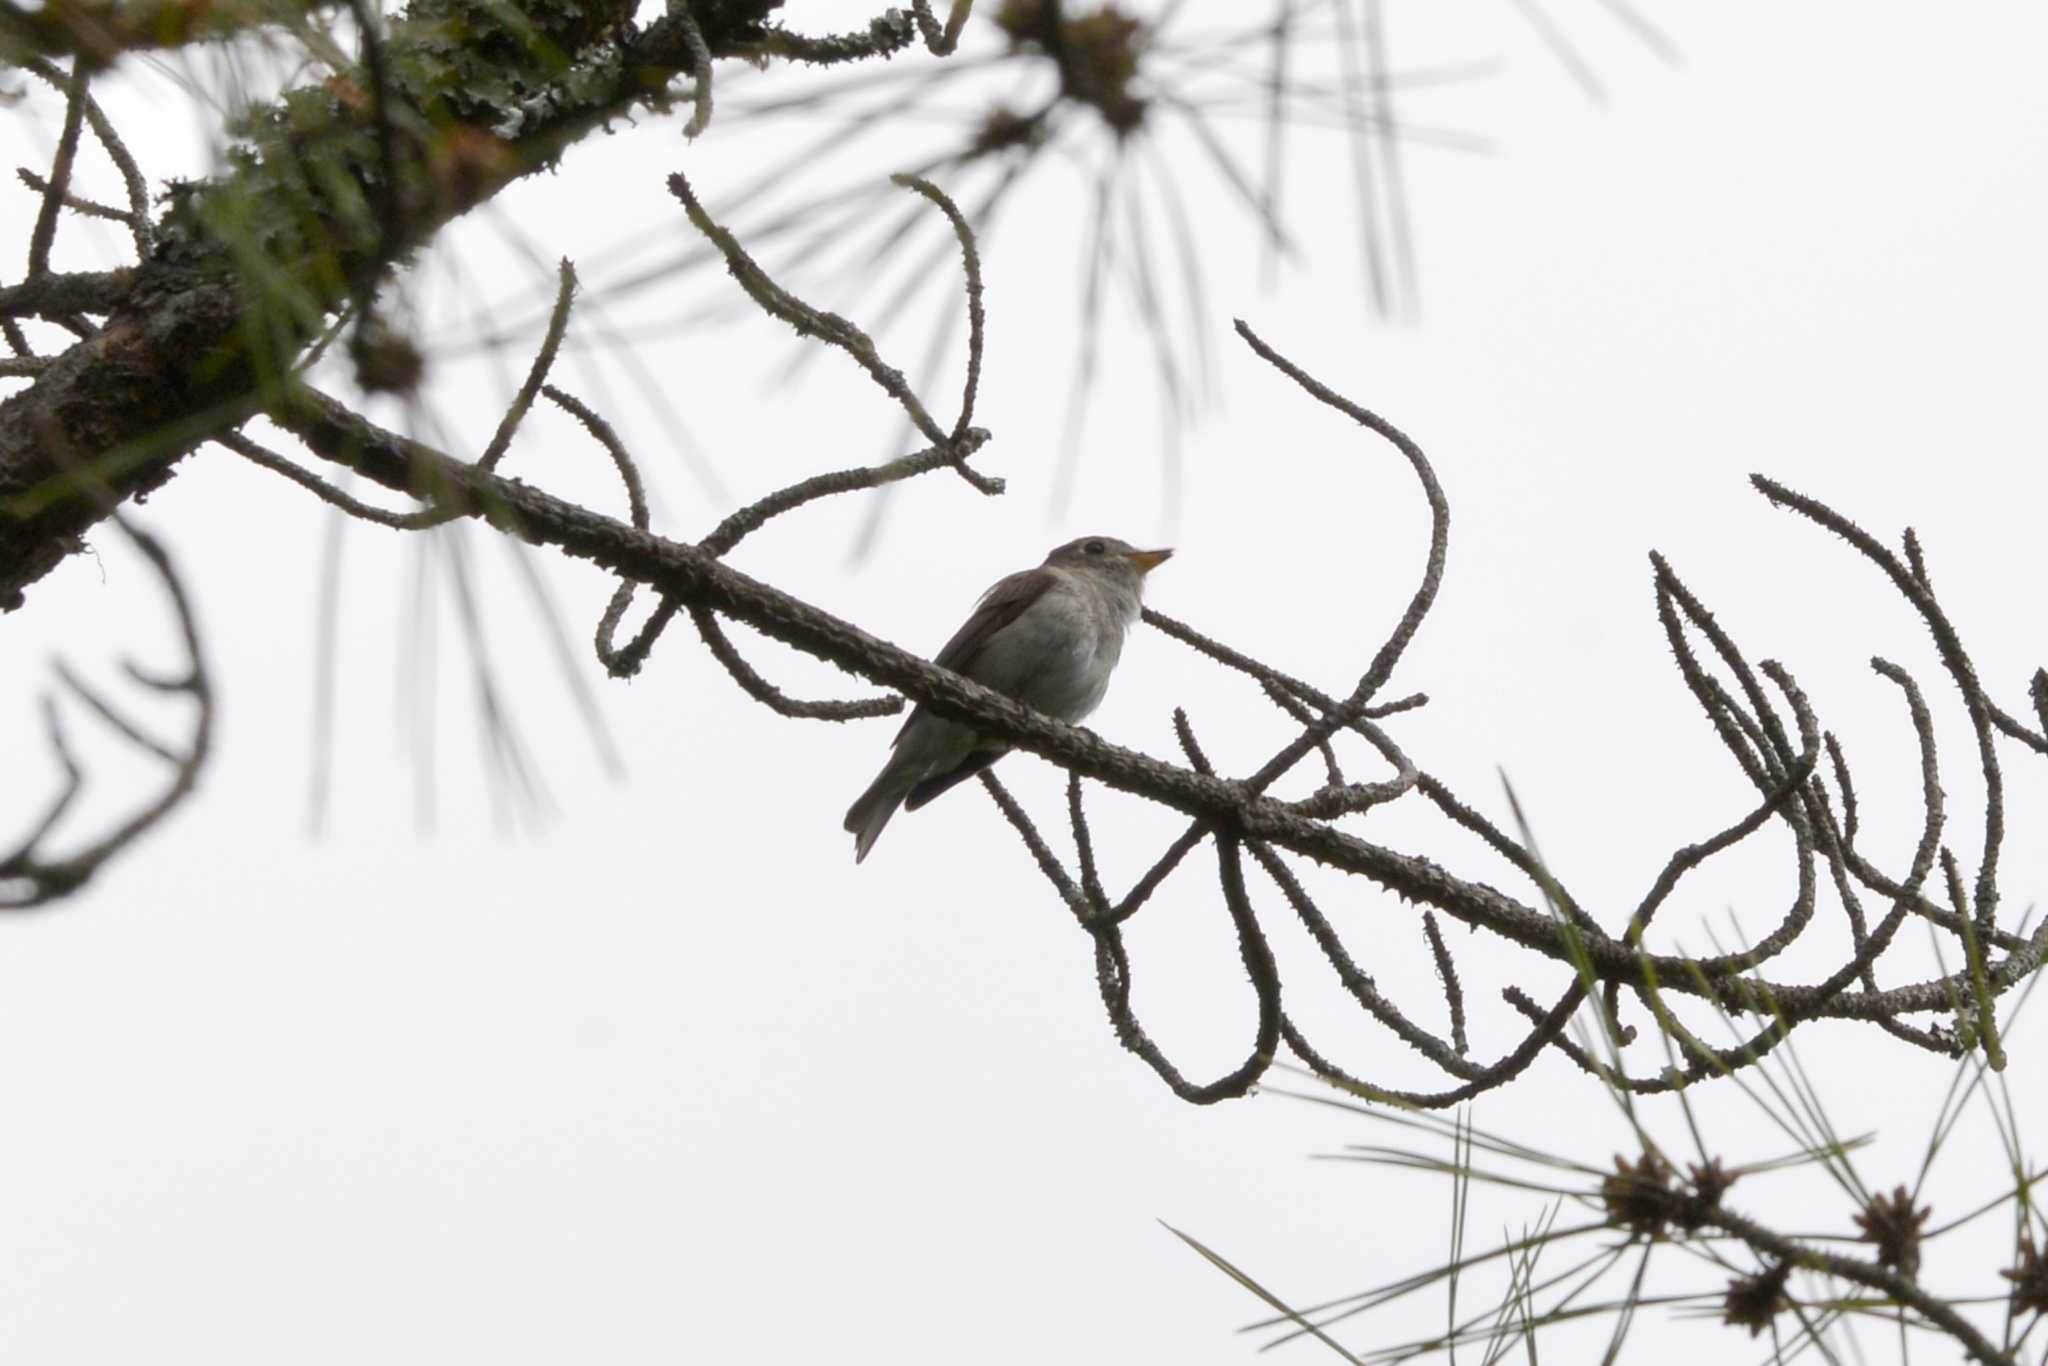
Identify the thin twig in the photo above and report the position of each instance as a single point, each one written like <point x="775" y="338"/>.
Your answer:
<point x="138" y="220"/>
<point x="27" y="879"/>
<point x="941" y="41"/>
<point x="970" y="261"/>
<point x="809" y="322"/>
<point x="45" y="231"/>
<point x="700" y="67"/>
<point x="886" y="34"/>
<point x="537" y="373"/>
<point x="737" y="526"/>
<point x="777" y="701"/>
<point x="77" y="204"/>
<point x="1447" y="974"/>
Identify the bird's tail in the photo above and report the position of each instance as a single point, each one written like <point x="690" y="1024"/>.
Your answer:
<point x="873" y="808"/>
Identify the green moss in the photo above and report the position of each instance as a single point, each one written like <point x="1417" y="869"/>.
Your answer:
<point x="296" y="211"/>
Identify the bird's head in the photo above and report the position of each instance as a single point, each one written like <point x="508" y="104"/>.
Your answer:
<point x="1119" y="561"/>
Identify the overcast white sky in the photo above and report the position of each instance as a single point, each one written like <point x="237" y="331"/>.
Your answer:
<point x="669" y="1079"/>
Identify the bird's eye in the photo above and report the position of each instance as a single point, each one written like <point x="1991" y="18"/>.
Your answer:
<point x="1094" y="547"/>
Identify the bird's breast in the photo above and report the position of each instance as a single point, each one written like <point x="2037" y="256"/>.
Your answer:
<point x="1058" y="654"/>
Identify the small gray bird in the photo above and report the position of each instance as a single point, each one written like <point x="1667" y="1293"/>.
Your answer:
<point x="1048" y="637"/>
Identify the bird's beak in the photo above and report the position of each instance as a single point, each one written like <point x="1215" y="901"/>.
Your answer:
<point x="1149" y="560"/>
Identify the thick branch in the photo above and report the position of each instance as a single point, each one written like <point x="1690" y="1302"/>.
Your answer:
<point x="688" y="574"/>
<point x="250" y="264"/>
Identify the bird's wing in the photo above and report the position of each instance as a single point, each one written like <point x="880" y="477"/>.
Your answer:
<point x="939" y="783"/>
<point x="998" y="607"/>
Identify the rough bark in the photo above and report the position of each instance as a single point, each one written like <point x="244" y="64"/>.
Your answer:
<point x="697" y="578"/>
<point x="248" y="266"/>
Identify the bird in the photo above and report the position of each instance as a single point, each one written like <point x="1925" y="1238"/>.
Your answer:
<point x="1048" y="637"/>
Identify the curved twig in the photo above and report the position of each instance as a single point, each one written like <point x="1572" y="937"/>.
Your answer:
<point x="28" y="878"/>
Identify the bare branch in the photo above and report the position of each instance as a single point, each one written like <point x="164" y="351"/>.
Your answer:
<point x="977" y="323"/>
<point x="886" y="34"/>
<point x="688" y="574"/>
<point x="1953" y="658"/>
<point x="1041" y="853"/>
<point x="536" y="376"/>
<point x="45" y="230"/>
<point x="1447" y="974"/>
<point x="751" y="518"/>
<point x="777" y="701"/>
<point x="218" y="326"/>
<point x="1084" y="848"/>
<point x="324" y="491"/>
<point x="138" y="221"/>
<point x="700" y="67"/>
<point x="941" y="42"/>
<point x="77" y="204"/>
<point x="29" y="878"/>
<point x="808" y="322"/>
